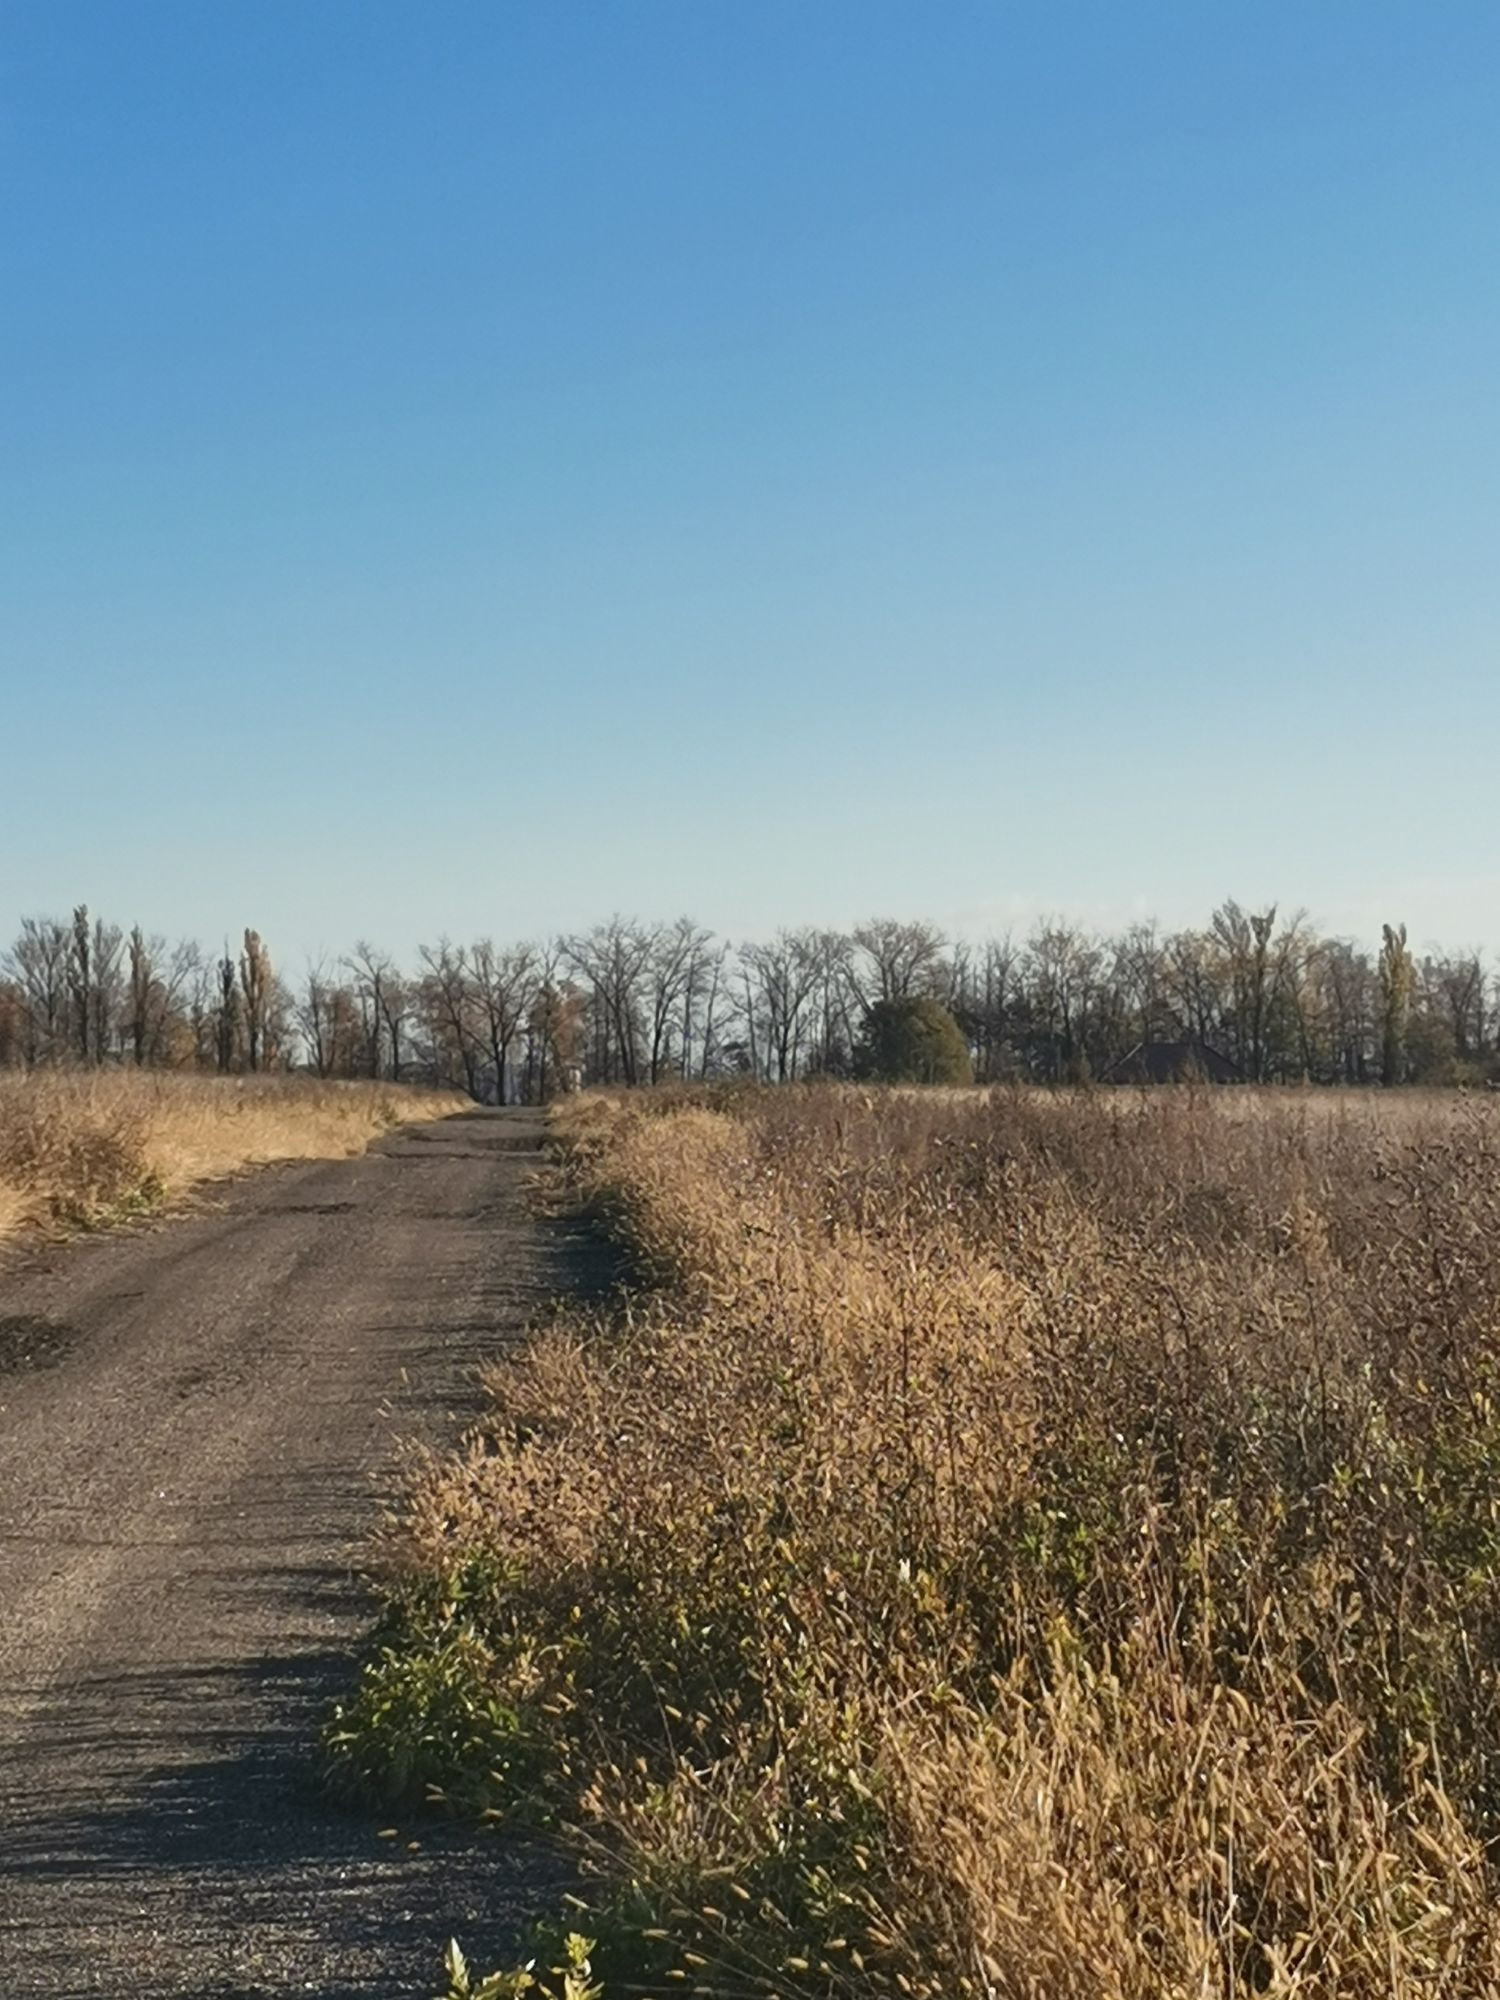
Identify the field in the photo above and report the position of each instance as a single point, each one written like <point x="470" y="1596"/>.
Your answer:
<point x="1003" y="1543"/>
<point x="83" y="1147"/>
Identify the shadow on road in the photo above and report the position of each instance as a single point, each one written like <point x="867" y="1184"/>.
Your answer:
<point x="169" y="1805"/>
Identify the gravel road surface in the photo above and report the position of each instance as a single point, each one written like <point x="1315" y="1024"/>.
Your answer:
<point x="197" y="1423"/>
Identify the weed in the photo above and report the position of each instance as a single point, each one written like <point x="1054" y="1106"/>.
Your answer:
<point x="82" y="1149"/>
<point x="1006" y="1545"/>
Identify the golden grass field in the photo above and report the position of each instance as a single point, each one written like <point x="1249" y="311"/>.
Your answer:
<point x="78" y="1147"/>
<point x="1012" y="1545"/>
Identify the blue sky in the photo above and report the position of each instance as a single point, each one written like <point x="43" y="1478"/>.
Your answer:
<point x="474" y="468"/>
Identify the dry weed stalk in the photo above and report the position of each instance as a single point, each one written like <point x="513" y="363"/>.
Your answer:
<point x="1017" y="1545"/>
<point x="78" y="1147"/>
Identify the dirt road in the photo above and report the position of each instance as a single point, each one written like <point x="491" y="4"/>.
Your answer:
<point x="196" y="1424"/>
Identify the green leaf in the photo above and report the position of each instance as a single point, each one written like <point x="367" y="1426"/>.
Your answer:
<point x="457" y="1968"/>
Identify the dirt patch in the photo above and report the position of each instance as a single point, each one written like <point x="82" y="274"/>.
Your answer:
<point x="28" y="1341"/>
<point x="314" y="1208"/>
<point x="188" y="1498"/>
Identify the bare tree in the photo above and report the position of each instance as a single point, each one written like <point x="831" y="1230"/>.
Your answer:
<point x="315" y="1019"/>
<point x="782" y="977"/>
<point x="1063" y="963"/>
<point x="448" y="992"/>
<point x="638" y="1003"/>
<point x="38" y="964"/>
<point x="712" y="984"/>
<point x="672" y="969"/>
<point x="333" y="1030"/>
<point x="554" y="1027"/>
<point x="201" y="1005"/>
<point x="837" y="1002"/>
<point x="383" y="995"/>
<point x="1349" y="1010"/>
<point x="94" y="983"/>
<point x="12" y="1024"/>
<point x="613" y="958"/>
<point x="900" y="958"/>
<point x="980" y="993"/>
<point x="1139" y="976"/>
<point x="1258" y="962"/>
<point x="1455" y="986"/>
<point x="505" y="989"/>
<point x="179" y="979"/>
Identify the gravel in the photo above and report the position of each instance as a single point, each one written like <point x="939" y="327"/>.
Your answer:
<point x="197" y="1425"/>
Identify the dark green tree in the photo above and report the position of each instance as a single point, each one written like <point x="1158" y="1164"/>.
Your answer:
<point x="913" y="1040"/>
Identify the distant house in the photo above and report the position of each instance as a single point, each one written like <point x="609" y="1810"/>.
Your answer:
<point x="1175" y="1062"/>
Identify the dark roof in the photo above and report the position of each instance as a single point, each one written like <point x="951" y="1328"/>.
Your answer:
<point x="1174" y="1062"/>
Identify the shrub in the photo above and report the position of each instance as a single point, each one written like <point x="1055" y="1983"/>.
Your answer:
<point x="912" y="1041"/>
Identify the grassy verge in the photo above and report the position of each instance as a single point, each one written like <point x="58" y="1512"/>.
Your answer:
<point x="83" y="1148"/>
<point x="1009" y="1546"/>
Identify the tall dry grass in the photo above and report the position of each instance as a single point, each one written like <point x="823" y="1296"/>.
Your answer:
<point x="81" y="1146"/>
<point x="1008" y="1545"/>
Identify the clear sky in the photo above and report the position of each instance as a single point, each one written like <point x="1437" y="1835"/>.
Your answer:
<point x="477" y="467"/>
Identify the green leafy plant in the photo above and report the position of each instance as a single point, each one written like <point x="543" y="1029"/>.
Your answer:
<point x="571" y="1980"/>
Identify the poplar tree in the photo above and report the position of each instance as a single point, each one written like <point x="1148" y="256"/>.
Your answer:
<point x="142" y="975"/>
<point x="1395" y="1003"/>
<point x="255" y="985"/>
<point x="80" y="972"/>
<point x="226" y="1021"/>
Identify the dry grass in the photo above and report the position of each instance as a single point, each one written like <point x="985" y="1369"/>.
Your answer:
<point x="85" y="1146"/>
<point x="1017" y="1546"/>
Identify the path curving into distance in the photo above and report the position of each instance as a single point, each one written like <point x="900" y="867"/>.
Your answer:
<point x="197" y="1424"/>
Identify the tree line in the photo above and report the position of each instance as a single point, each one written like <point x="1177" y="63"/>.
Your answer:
<point x="633" y="1003"/>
